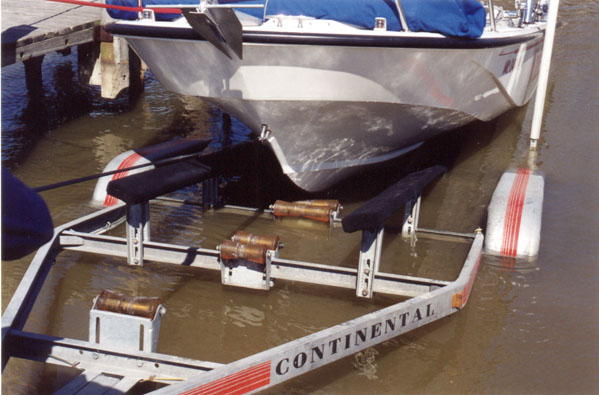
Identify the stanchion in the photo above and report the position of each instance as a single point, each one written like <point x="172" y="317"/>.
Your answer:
<point x="537" y="118"/>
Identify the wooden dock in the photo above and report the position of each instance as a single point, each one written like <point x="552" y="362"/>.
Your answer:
<point x="33" y="28"/>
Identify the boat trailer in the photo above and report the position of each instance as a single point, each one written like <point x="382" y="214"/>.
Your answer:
<point x="123" y="330"/>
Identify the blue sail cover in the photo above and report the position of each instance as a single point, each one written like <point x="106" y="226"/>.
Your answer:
<point x="457" y="18"/>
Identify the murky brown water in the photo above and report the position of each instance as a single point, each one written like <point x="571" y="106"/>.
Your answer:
<point x="530" y="329"/>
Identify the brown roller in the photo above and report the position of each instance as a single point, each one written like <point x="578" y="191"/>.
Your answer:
<point x="270" y="242"/>
<point x="124" y="304"/>
<point x="286" y="209"/>
<point x="330" y="203"/>
<point x="233" y="250"/>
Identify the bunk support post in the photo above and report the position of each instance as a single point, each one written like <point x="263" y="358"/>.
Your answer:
<point x="369" y="261"/>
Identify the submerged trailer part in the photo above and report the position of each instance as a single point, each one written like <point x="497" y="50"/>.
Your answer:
<point x="129" y="323"/>
<point x="233" y="250"/>
<point x="146" y="155"/>
<point x="515" y="212"/>
<point x="333" y="204"/>
<point x="320" y="213"/>
<point x="245" y="265"/>
<point x="104" y="357"/>
<point x="270" y="242"/>
<point x="124" y="304"/>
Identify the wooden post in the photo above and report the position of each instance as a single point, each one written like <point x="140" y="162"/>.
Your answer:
<point x="114" y="57"/>
<point x="120" y="68"/>
<point x="33" y="76"/>
<point x="87" y="56"/>
<point x="137" y="72"/>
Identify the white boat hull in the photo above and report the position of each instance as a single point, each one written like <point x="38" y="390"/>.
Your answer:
<point x="333" y="108"/>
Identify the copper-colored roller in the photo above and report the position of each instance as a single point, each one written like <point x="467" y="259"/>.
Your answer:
<point x="270" y="242"/>
<point x="233" y="250"/>
<point x="124" y="304"/>
<point x="330" y="203"/>
<point x="286" y="209"/>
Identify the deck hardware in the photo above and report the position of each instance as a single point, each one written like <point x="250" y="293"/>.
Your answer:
<point x="148" y="15"/>
<point x="380" y="24"/>
<point x="402" y="16"/>
<point x="264" y="133"/>
<point x="492" y="14"/>
<point x="218" y="24"/>
<point x="528" y="17"/>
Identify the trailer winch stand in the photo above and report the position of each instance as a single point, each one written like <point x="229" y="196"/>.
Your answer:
<point x="105" y="362"/>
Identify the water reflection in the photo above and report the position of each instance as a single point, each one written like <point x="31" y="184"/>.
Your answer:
<point x="28" y="115"/>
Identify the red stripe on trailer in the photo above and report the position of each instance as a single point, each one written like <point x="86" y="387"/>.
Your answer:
<point x="470" y="284"/>
<point x="513" y="214"/>
<point x="460" y="299"/>
<point x="238" y="383"/>
<point x="128" y="162"/>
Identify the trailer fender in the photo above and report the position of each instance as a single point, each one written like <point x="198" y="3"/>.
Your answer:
<point x="514" y="215"/>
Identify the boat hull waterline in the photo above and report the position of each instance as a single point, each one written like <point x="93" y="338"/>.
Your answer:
<point x="333" y="108"/>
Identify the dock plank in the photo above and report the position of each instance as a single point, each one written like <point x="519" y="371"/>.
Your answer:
<point x="35" y="27"/>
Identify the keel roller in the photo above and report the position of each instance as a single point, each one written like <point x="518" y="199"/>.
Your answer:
<point x="125" y="322"/>
<point x="123" y="304"/>
<point x="330" y="203"/>
<point x="245" y="265"/>
<point x="270" y="242"/>
<point x="320" y="211"/>
<point x="514" y="220"/>
<point x="234" y="250"/>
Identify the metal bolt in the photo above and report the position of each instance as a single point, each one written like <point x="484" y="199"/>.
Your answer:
<point x="366" y="271"/>
<point x="95" y="356"/>
<point x="364" y="292"/>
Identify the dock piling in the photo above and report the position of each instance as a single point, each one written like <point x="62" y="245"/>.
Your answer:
<point x="34" y="28"/>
